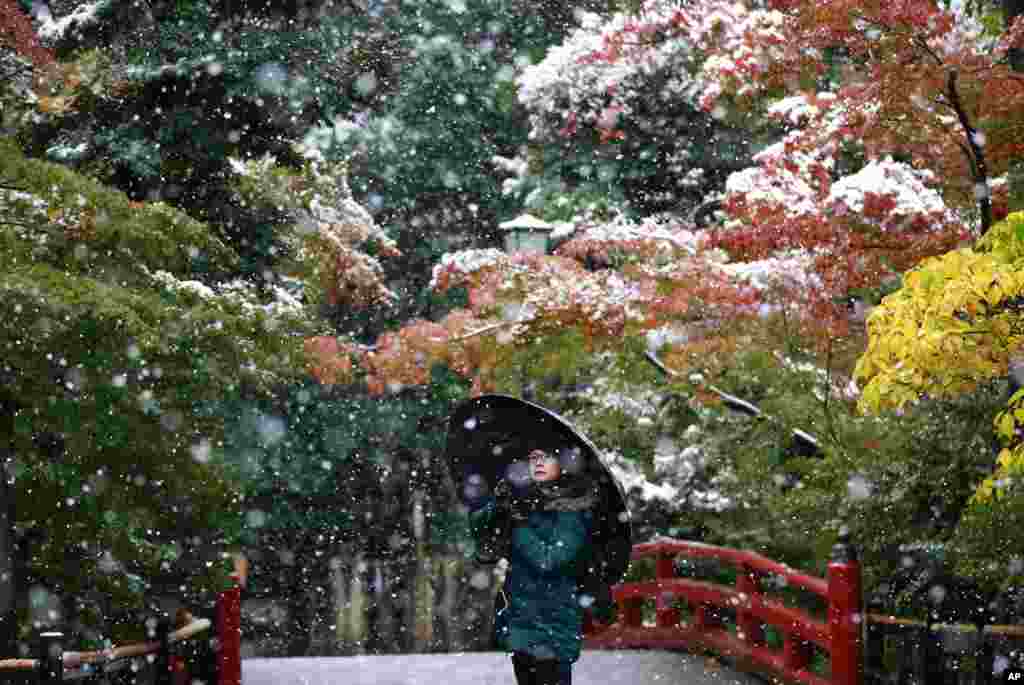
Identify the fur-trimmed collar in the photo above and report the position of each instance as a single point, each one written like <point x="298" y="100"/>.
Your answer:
<point x="565" y="494"/>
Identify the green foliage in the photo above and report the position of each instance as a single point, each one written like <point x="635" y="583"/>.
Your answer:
<point x="613" y="426"/>
<point x="254" y="63"/>
<point x="561" y="183"/>
<point x="115" y="333"/>
<point x="64" y="204"/>
<point x="892" y="479"/>
<point x="1016" y="181"/>
<point x="182" y="94"/>
<point x="558" y="359"/>
<point x="131" y="146"/>
<point x="424" y="156"/>
<point x="989" y="14"/>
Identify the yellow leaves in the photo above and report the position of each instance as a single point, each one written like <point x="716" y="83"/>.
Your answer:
<point x="984" y="492"/>
<point x="1006" y="425"/>
<point x="1001" y="327"/>
<point x="1005" y="240"/>
<point x="1011" y="460"/>
<point x="944" y="331"/>
<point x="57" y="104"/>
<point x="1009" y="464"/>
<point x="1010" y="422"/>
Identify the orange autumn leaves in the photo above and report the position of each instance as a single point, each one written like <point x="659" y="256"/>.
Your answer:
<point x="603" y="287"/>
<point x="16" y="31"/>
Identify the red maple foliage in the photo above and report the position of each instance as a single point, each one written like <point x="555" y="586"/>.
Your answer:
<point x="16" y="32"/>
<point x="899" y="115"/>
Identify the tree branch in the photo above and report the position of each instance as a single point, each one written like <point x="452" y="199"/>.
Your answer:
<point x="492" y="327"/>
<point x="737" y="404"/>
<point x="923" y="45"/>
<point x="14" y="72"/>
<point x="977" y="157"/>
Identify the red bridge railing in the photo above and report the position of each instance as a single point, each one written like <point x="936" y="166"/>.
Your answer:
<point x="54" y="665"/>
<point x="839" y="636"/>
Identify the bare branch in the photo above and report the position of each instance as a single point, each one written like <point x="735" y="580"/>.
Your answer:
<point x="737" y="404"/>
<point x="979" y="168"/>
<point x="487" y="329"/>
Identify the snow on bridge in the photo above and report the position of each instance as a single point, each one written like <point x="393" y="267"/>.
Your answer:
<point x="595" y="667"/>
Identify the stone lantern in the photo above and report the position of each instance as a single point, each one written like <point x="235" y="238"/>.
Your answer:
<point x="526" y="233"/>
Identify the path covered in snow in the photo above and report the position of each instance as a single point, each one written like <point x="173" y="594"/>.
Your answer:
<point x="595" y="667"/>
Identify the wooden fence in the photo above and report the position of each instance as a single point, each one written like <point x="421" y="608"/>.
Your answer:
<point x="903" y="652"/>
<point x="173" y="657"/>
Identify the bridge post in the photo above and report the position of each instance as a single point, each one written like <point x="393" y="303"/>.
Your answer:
<point x="666" y="615"/>
<point x="796" y="653"/>
<point x="706" y="617"/>
<point x="749" y="626"/>
<point x="845" y="613"/>
<point x="229" y="633"/>
<point x="633" y="612"/>
<point x="162" y="664"/>
<point x="50" y="658"/>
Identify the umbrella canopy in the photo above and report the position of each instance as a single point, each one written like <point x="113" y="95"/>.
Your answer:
<point x="489" y="438"/>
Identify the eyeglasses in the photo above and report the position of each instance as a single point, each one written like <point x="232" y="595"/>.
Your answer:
<point x="538" y="457"/>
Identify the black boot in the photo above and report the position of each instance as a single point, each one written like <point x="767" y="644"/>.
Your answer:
<point x="532" y="671"/>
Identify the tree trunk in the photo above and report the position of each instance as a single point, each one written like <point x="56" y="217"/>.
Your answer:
<point x="445" y="591"/>
<point x="378" y="612"/>
<point x="322" y="640"/>
<point x="8" y="573"/>
<point x="1011" y="10"/>
<point x="301" y="602"/>
<point x="8" y="615"/>
<point x="423" y="591"/>
<point x="357" y="628"/>
<point x="480" y="586"/>
<point x="405" y="609"/>
<point x="343" y="575"/>
<point x="299" y="619"/>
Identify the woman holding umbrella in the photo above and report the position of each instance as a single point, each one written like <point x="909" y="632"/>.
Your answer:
<point x="545" y="521"/>
<point x="539" y="495"/>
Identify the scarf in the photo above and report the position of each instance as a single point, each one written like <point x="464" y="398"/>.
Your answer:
<point x="564" y="494"/>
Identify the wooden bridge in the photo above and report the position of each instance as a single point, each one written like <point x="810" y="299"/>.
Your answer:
<point x="738" y="621"/>
<point x="756" y="617"/>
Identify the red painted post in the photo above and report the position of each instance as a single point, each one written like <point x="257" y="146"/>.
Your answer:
<point x="748" y="625"/>
<point x="706" y="617"/>
<point x="589" y="625"/>
<point x="666" y="615"/>
<point x="633" y="614"/>
<point x="796" y="653"/>
<point x="845" y="613"/>
<point x="664" y="566"/>
<point x="229" y="634"/>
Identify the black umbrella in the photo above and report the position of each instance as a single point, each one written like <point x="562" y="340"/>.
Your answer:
<point x="489" y="438"/>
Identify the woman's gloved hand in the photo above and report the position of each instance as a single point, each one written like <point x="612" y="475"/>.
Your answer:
<point x="503" y="495"/>
<point x="493" y="528"/>
<point x="527" y="498"/>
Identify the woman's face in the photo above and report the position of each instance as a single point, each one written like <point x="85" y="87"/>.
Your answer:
<point x="544" y="467"/>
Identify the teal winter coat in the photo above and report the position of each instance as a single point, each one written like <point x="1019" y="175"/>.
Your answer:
<point x="546" y="554"/>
